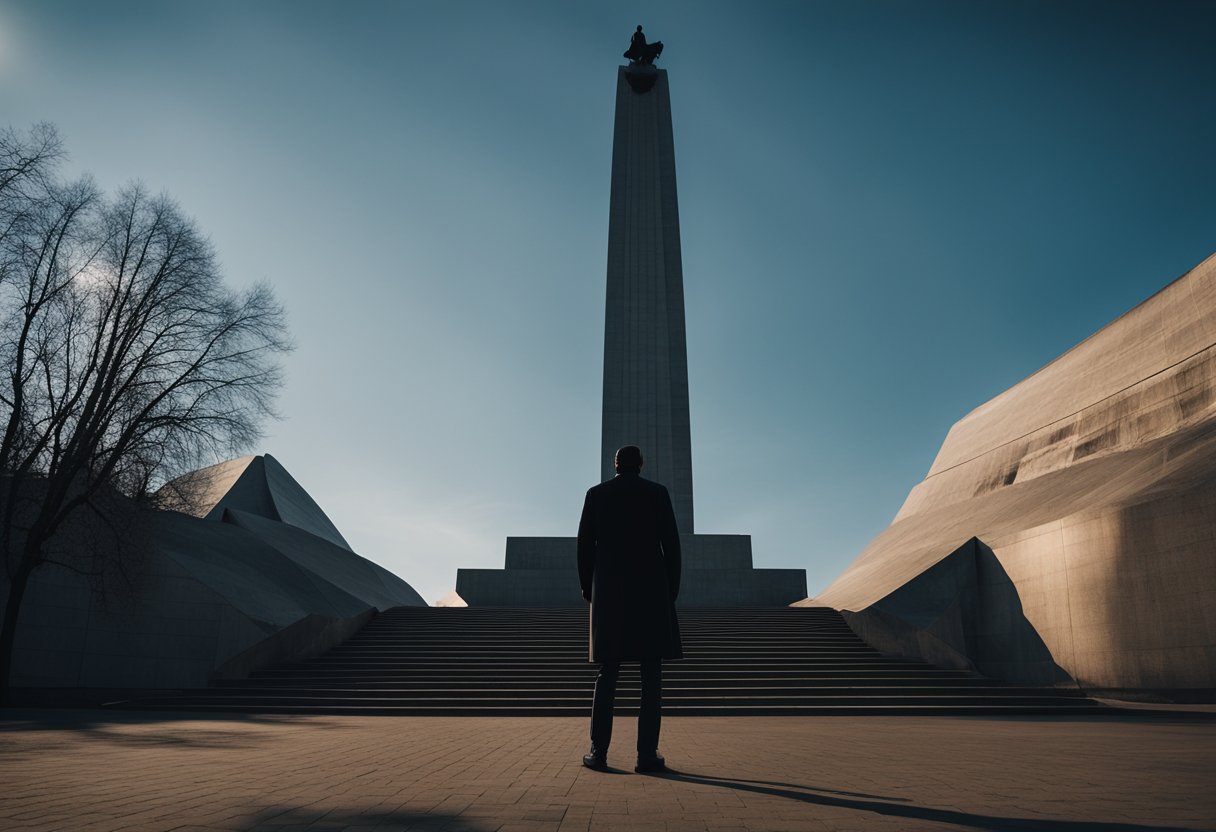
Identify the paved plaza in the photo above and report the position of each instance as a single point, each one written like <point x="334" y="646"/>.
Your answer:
<point x="94" y="770"/>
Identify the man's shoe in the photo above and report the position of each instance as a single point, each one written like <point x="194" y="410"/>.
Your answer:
<point x="650" y="763"/>
<point x="596" y="759"/>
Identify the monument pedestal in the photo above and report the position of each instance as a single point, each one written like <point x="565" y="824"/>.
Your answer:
<point x="717" y="572"/>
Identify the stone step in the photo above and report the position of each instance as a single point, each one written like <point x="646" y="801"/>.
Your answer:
<point x="478" y="662"/>
<point x="718" y="667"/>
<point x="581" y="644"/>
<point x="480" y="710"/>
<point x="675" y="694"/>
<point x="585" y="681"/>
<point x="575" y="653"/>
<point x="581" y="639"/>
<point x="583" y="700"/>
<point x="740" y="677"/>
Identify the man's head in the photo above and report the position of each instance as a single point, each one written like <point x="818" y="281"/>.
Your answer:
<point x="639" y="27"/>
<point x="628" y="460"/>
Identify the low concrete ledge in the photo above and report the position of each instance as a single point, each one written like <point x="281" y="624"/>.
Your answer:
<point x="717" y="551"/>
<point x="542" y="553"/>
<point x="698" y="551"/>
<point x="519" y="587"/>
<point x="717" y="572"/>
<point x="557" y="588"/>
<point x="741" y="587"/>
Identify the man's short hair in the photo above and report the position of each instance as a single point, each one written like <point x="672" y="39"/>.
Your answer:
<point x="629" y="458"/>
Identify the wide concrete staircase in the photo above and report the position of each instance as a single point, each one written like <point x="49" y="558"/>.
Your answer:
<point x="533" y="662"/>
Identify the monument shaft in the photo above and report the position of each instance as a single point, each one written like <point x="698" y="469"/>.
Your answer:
<point x="645" y="352"/>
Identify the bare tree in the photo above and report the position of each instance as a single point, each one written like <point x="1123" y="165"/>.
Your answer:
<point x="126" y="362"/>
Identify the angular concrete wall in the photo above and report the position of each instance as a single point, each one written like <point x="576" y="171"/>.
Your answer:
<point x="1093" y="483"/>
<point x="221" y="593"/>
<point x="963" y="612"/>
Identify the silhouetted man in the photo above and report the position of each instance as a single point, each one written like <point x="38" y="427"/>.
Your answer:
<point x="629" y="566"/>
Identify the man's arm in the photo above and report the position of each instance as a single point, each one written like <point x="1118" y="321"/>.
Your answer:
<point x="586" y="547"/>
<point x="669" y="536"/>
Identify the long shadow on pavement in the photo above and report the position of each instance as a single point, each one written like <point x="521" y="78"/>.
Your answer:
<point x="299" y="817"/>
<point x="811" y="794"/>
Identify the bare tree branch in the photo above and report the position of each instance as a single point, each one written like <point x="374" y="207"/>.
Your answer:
<point x="125" y="363"/>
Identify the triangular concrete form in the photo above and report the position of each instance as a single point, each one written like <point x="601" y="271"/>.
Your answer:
<point x="256" y="485"/>
<point x="368" y="581"/>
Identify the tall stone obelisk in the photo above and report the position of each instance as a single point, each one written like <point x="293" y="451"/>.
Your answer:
<point x="645" y="382"/>
<point x="645" y="354"/>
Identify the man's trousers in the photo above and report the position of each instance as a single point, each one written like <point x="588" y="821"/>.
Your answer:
<point x="651" y="710"/>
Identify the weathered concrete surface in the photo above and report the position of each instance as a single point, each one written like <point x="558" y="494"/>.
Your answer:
<point x="235" y="588"/>
<point x="98" y="771"/>
<point x="1093" y="482"/>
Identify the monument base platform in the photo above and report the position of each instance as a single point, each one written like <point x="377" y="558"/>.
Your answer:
<point x="717" y="572"/>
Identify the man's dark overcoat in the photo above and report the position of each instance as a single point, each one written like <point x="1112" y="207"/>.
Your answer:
<point x="629" y="565"/>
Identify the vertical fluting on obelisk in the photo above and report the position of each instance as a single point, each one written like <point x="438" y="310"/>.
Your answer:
<point x="645" y="353"/>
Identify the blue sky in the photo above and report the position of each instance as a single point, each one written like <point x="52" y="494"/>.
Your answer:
<point x="891" y="211"/>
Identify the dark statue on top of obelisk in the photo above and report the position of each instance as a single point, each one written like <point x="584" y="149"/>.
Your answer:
<point x="641" y="73"/>
<point x="641" y="52"/>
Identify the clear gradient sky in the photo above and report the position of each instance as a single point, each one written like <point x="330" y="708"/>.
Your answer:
<point x="891" y="211"/>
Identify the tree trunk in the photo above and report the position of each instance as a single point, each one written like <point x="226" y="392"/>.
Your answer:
<point x="8" y="633"/>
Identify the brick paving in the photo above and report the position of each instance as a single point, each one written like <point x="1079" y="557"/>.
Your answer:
<point x="95" y="770"/>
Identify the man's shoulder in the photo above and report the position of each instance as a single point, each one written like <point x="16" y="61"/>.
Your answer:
<point x="599" y="488"/>
<point x="635" y="482"/>
<point x="640" y="484"/>
<point x="656" y="487"/>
